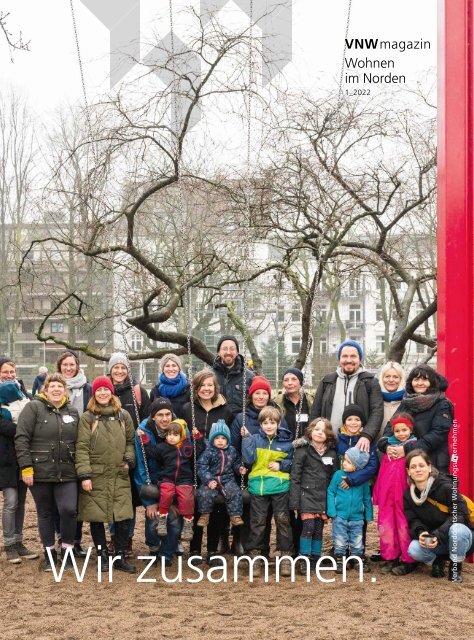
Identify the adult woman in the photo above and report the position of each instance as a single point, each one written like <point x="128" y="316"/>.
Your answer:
<point x="105" y="452"/>
<point x="437" y="518"/>
<point x="392" y="383"/>
<point x="80" y="392"/>
<point x="432" y="413"/>
<point x="45" y="444"/>
<point x="295" y="412"/>
<point x="209" y="407"/>
<point x="79" y="389"/>
<point x="133" y="398"/>
<point x="172" y="384"/>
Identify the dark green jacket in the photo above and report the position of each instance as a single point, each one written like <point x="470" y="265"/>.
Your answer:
<point x="104" y="444"/>
<point x="45" y="439"/>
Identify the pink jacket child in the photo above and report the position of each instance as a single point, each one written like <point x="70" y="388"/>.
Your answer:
<point x="388" y="494"/>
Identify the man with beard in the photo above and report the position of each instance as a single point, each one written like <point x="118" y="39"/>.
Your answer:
<point x="351" y="383"/>
<point x="229" y="369"/>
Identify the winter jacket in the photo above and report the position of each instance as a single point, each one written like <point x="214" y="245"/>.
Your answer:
<point x="289" y="410"/>
<point x="367" y="395"/>
<point x="174" y="464"/>
<point x="251" y="423"/>
<point x="205" y="419"/>
<point x="311" y="474"/>
<point x="258" y="451"/>
<point x="105" y="443"/>
<point x="38" y="383"/>
<point x="431" y="429"/>
<point x="124" y="393"/>
<point x="427" y="516"/>
<point x="355" y="478"/>
<point x="231" y="382"/>
<point x="221" y="465"/>
<point x="155" y="436"/>
<point x="351" y="504"/>
<point x="177" y="402"/>
<point x="46" y="440"/>
<point x="12" y="403"/>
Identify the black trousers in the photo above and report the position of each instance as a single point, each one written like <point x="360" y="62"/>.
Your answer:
<point x="52" y="497"/>
<point x="217" y="528"/>
<point x="259" y="506"/>
<point x="122" y="531"/>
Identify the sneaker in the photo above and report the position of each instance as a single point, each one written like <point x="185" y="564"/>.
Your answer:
<point x="45" y="564"/>
<point x="236" y="521"/>
<point x="79" y="551"/>
<point x="68" y="564"/>
<point x="203" y="520"/>
<point x="26" y="553"/>
<point x="404" y="568"/>
<point x="438" y="567"/>
<point x="455" y="572"/>
<point x="187" y="531"/>
<point x="388" y="566"/>
<point x="162" y="526"/>
<point x="12" y="554"/>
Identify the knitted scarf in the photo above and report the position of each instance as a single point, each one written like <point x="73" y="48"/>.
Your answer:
<point x="424" y="494"/>
<point x="172" y="387"/>
<point x="418" y="402"/>
<point x="393" y="441"/>
<point x="392" y="397"/>
<point x="75" y="387"/>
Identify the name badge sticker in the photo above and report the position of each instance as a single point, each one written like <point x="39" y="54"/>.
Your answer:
<point x="327" y="460"/>
<point x="68" y="419"/>
<point x="303" y="417"/>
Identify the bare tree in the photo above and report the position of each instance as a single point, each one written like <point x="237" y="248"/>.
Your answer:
<point x="14" y="42"/>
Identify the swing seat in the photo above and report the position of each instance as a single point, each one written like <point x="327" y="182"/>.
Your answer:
<point x="245" y="497"/>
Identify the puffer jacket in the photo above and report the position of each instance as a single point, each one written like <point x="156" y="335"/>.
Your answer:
<point x="231" y="382"/>
<point x="204" y="420"/>
<point x="311" y="474"/>
<point x="251" y="423"/>
<point x="354" y="503"/>
<point x="105" y="443"/>
<point x="46" y="440"/>
<point x="221" y="465"/>
<point x="258" y="451"/>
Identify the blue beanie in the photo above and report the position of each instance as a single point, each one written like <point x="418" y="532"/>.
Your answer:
<point x="219" y="428"/>
<point x="358" y="458"/>
<point x="350" y="343"/>
<point x="9" y="392"/>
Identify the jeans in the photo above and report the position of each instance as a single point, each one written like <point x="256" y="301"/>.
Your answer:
<point x="164" y="546"/>
<point x="457" y="548"/>
<point x="47" y="496"/>
<point x="348" y="533"/>
<point x="13" y="513"/>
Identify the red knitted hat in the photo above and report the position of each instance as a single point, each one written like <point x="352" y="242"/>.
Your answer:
<point x="402" y="420"/>
<point x="102" y="381"/>
<point x="260" y="382"/>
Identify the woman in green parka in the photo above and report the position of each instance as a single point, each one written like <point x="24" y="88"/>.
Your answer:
<point x="104" y="453"/>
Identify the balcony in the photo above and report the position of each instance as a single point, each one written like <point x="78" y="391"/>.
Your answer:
<point x="354" y="325"/>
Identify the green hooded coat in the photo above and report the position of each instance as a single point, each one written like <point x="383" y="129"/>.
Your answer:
<point x="105" y="443"/>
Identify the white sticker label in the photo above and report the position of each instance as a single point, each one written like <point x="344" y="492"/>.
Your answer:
<point x="303" y="417"/>
<point x="327" y="460"/>
<point x="68" y="419"/>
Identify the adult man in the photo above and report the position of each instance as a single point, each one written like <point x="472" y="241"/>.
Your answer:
<point x="155" y="428"/>
<point x="289" y="402"/>
<point x="229" y="369"/>
<point x="350" y="384"/>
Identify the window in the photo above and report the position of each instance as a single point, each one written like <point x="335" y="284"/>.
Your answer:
<point x="420" y="348"/>
<point x="136" y="342"/>
<point x="355" y="313"/>
<point x="380" y="344"/>
<point x="295" y="344"/>
<point x="57" y="327"/>
<point x="323" y="345"/>
<point x="355" y="286"/>
<point x="281" y="315"/>
<point x="28" y="350"/>
<point x="378" y="313"/>
<point x="295" y="316"/>
<point x="27" y="326"/>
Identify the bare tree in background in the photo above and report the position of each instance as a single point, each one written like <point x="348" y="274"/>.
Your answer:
<point x="15" y="42"/>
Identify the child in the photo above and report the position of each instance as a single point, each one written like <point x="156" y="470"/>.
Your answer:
<point x="353" y="422"/>
<point x="216" y="469"/>
<point x="174" y="459"/>
<point x="269" y="452"/>
<point x="314" y="464"/>
<point x="348" y="508"/>
<point x="388" y="495"/>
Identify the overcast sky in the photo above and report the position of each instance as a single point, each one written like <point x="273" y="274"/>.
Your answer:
<point x="49" y="74"/>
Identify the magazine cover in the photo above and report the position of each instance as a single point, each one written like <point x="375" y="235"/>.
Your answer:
<point x="236" y="242"/>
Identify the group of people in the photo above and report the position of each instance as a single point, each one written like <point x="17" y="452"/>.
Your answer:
<point x="218" y="453"/>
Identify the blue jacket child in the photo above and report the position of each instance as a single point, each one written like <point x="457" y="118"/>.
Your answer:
<point x="348" y="436"/>
<point x="217" y="468"/>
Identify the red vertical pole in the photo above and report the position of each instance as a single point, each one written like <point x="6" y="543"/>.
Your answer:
<point x="455" y="224"/>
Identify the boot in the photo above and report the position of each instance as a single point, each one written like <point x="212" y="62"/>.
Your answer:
<point x="123" y="565"/>
<point x="438" y="567"/>
<point x="203" y="520"/>
<point x="236" y="521"/>
<point x="111" y="546"/>
<point x="187" y="530"/>
<point x="455" y="572"/>
<point x="68" y="563"/>
<point x="339" y="563"/>
<point x="162" y="526"/>
<point x="302" y="567"/>
<point x="285" y="568"/>
<point x="237" y="548"/>
<point x="389" y="565"/>
<point x="313" y="560"/>
<point x="44" y="564"/>
<point x="129" y="549"/>
<point x="79" y="551"/>
<point x="257" y="566"/>
<point x="404" y="568"/>
<point x="366" y="568"/>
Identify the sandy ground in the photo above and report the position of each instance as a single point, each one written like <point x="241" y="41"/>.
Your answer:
<point x="33" y="605"/>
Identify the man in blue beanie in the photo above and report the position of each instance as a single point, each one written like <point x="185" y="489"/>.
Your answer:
<point x="350" y="384"/>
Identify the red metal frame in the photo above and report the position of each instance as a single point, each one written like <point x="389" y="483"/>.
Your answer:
<point x="455" y="223"/>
